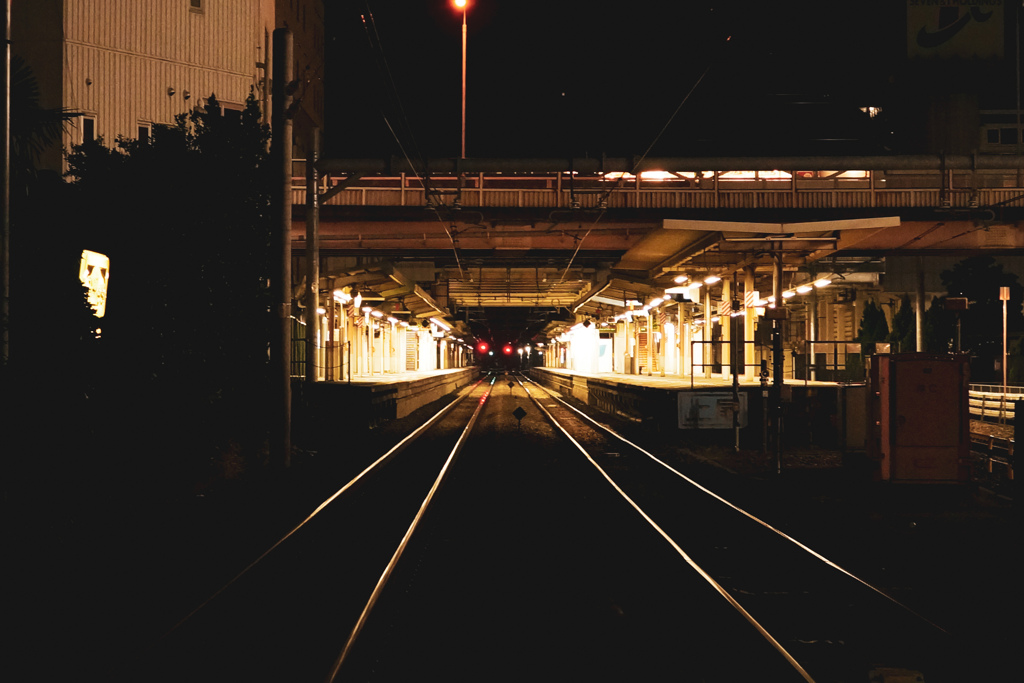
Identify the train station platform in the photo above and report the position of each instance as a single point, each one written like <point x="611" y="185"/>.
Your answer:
<point x="820" y="414"/>
<point x="370" y="400"/>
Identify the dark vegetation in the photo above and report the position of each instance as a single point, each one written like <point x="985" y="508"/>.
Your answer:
<point x="165" y="394"/>
<point x="977" y="279"/>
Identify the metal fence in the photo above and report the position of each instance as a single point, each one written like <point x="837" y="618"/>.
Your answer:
<point x="711" y="190"/>
<point x="989" y="403"/>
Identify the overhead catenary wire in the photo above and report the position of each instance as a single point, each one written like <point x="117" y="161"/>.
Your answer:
<point x="636" y="164"/>
<point x="377" y="48"/>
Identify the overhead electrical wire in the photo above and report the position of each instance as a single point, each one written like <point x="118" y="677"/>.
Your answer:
<point x="377" y="48"/>
<point x="603" y="201"/>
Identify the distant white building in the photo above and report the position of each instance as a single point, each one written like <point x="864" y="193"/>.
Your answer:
<point x="129" y="65"/>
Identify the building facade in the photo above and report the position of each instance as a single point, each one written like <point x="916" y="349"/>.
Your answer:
<point x="127" y="66"/>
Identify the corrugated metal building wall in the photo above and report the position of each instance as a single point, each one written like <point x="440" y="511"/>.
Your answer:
<point x="130" y="63"/>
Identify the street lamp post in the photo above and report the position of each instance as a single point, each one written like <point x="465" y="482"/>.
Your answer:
<point x="463" y="4"/>
<point x="1004" y="296"/>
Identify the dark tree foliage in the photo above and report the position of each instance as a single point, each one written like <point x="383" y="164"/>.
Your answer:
<point x="903" y="335"/>
<point x="979" y="278"/>
<point x="184" y="218"/>
<point x="939" y="328"/>
<point x="43" y="267"/>
<point x="45" y="386"/>
<point x="873" y="325"/>
<point x="33" y="127"/>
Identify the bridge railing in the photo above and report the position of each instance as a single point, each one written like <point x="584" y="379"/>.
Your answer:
<point x="989" y="403"/>
<point x="708" y="190"/>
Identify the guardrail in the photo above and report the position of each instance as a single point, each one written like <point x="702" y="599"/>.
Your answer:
<point x="988" y="401"/>
<point x="709" y="190"/>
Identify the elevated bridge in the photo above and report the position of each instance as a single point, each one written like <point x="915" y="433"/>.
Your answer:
<point x="529" y="226"/>
<point x="553" y="242"/>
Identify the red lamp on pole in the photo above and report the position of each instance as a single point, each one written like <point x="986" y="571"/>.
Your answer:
<point x="463" y="5"/>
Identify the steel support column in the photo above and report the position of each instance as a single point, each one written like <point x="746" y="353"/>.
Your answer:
<point x="281" y="341"/>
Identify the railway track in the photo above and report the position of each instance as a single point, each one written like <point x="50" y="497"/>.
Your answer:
<point x="837" y="626"/>
<point x="490" y="552"/>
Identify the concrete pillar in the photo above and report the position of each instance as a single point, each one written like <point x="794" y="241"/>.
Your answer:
<point x="621" y="347"/>
<point x="705" y="354"/>
<point x="685" y="337"/>
<point x="726" y="331"/>
<point x="749" y="324"/>
<point x="919" y="306"/>
<point x="829" y="314"/>
<point x="634" y="345"/>
<point x="858" y="311"/>
<point x="812" y="334"/>
<point x="670" y="352"/>
<point x="649" y="351"/>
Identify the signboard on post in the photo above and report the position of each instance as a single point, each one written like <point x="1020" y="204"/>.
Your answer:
<point x="710" y="410"/>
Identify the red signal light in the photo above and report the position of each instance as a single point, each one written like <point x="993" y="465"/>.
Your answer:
<point x="507" y="350"/>
<point x="482" y="347"/>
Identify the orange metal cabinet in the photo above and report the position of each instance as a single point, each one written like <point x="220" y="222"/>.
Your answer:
<point x="919" y="420"/>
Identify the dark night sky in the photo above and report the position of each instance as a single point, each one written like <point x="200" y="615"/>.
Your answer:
<point x="581" y="77"/>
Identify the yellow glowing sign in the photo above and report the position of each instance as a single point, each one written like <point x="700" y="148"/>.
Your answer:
<point x="94" y="272"/>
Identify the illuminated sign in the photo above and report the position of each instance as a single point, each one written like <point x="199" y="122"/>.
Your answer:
<point x="94" y="272"/>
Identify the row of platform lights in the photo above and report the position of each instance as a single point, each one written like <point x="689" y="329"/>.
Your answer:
<point x="735" y="175"/>
<point x="687" y="291"/>
<point x="344" y="298"/>
<point x="689" y="294"/>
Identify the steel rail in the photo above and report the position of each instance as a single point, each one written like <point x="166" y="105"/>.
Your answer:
<point x="393" y="451"/>
<point x="690" y="561"/>
<point x="389" y="569"/>
<point x="750" y="516"/>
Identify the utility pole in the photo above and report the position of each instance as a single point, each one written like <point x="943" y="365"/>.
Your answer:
<point x="1004" y="296"/>
<point x="281" y="200"/>
<point x="736" y="360"/>
<point x="5" y="189"/>
<point x="312" y="255"/>
<point x="778" y="316"/>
